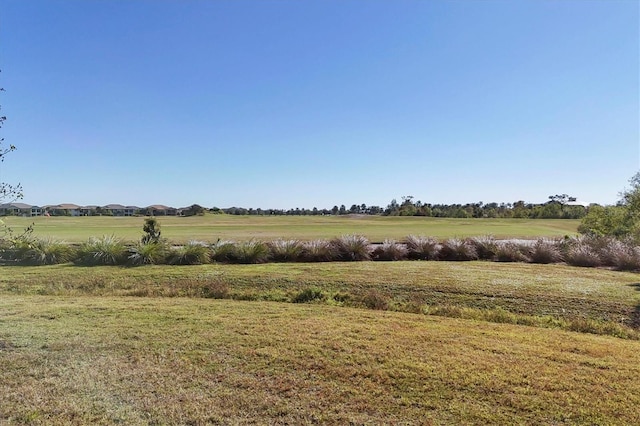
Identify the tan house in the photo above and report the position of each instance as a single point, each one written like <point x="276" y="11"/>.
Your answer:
<point x="160" y="210"/>
<point x="19" y="209"/>
<point x="66" y="209"/>
<point x="120" y="210"/>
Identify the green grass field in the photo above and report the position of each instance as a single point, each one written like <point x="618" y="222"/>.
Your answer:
<point x="533" y="294"/>
<point x="140" y="361"/>
<point x="212" y="227"/>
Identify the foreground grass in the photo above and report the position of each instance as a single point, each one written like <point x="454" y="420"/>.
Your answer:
<point x="135" y="361"/>
<point x="582" y="299"/>
<point x="212" y="227"/>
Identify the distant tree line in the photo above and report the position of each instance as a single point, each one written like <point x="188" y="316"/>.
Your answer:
<point x="558" y="207"/>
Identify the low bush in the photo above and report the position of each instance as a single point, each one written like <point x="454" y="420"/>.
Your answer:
<point x="352" y="247"/>
<point x="376" y="300"/>
<point x="216" y="290"/>
<point x="422" y="248"/>
<point x="390" y="250"/>
<point x="309" y="295"/>
<point x="456" y="249"/>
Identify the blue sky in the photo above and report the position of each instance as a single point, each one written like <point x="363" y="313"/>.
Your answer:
<point x="284" y="104"/>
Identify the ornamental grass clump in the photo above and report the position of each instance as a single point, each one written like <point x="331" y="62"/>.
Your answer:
<point x="422" y="248"/>
<point x="192" y="253"/>
<point x="286" y="250"/>
<point x="352" y="248"/>
<point x="252" y="251"/>
<point x="147" y="253"/>
<point x="545" y="251"/>
<point x="318" y="251"/>
<point x="486" y="247"/>
<point x="224" y="251"/>
<point x="390" y="250"/>
<point x="457" y="249"/>
<point x="509" y="251"/>
<point x="47" y="252"/>
<point x="581" y="253"/>
<point x="107" y="250"/>
<point x="625" y="257"/>
<point x="614" y="253"/>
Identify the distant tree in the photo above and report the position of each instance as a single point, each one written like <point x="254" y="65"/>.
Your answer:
<point x="621" y="220"/>
<point x="604" y="220"/>
<point x="561" y="199"/>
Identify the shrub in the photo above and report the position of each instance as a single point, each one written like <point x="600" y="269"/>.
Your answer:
<point x="318" y="251"/>
<point x="107" y="250"/>
<point x="16" y="250"/>
<point x="150" y="253"/>
<point x="352" y="247"/>
<point x="486" y="247"/>
<point x="216" y="290"/>
<point x="545" y="251"/>
<point x="390" y="250"/>
<point x="224" y="251"/>
<point x="192" y="253"/>
<point x="422" y="248"/>
<point x="286" y="250"/>
<point x="309" y="295"/>
<point x="456" y="249"/>
<point x="252" y="252"/>
<point x="376" y="300"/>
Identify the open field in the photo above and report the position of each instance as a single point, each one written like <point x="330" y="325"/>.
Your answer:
<point x="135" y="361"/>
<point x="212" y="227"/>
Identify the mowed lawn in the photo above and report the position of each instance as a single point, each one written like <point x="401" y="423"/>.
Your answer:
<point x="139" y="361"/>
<point x="546" y="295"/>
<point x="211" y="227"/>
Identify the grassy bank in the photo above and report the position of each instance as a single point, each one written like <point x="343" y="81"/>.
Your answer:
<point x="211" y="227"/>
<point x="595" y="300"/>
<point x="100" y="360"/>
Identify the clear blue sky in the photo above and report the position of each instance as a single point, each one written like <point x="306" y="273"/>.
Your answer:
<point x="293" y="103"/>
